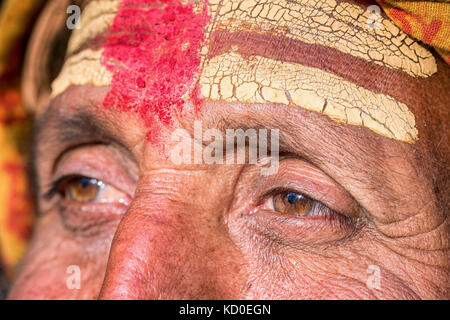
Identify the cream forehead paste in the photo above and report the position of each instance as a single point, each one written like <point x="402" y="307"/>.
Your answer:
<point x="232" y="77"/>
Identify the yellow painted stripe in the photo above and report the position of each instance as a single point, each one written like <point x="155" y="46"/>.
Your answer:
<point x="82" y="69"/>
<point x="96" y="18"/>
<point x="343" y="26"/>
<point x="232" y="78"/>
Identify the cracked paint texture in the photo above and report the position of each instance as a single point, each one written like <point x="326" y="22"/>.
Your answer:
<point x="146" y="69"/>
<point x="343" y="26"/>
<point x="81" y="69"/>
<point x="97" y="18"/>
<point x="255" y="79"/>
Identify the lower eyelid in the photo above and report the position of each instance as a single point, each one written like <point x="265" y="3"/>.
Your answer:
<point x="90" y="219"/>
<point x="109" y="194"/>
<point x="293" y="230"/>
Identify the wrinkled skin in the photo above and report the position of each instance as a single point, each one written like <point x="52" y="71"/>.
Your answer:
<point x="206" y="231"/>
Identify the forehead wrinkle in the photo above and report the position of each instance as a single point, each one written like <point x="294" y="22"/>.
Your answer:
<point x="230" y="73"/>
<point x="83" y="104"/>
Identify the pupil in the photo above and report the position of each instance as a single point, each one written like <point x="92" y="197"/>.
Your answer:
<point x="292" y="197"/>
<point x="85" y="182"/>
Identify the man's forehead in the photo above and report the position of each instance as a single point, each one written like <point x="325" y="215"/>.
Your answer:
<point x="296" y="53"/>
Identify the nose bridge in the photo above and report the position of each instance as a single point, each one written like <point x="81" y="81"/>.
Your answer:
<point x="165" y="247"/>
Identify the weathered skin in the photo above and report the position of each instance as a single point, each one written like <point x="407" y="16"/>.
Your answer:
<point x="361" y="130"/>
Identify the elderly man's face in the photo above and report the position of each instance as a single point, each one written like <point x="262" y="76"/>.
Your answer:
<point x="353" y="209"/>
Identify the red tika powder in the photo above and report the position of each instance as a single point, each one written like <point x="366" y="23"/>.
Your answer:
<point x="153" y="51"/>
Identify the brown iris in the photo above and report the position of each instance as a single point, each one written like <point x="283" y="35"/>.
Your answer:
<point x="292" y="203"/>
<point x="82" y="189"/>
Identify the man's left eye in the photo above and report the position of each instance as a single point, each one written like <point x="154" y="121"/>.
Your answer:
<point x="292" y="203"/>
<point x="82" y="189"/>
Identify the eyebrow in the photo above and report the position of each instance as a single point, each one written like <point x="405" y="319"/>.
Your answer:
<point x="83" y="125"/>
<point x="54" y="128"/>
<point x="342" y="152"/>
<point x="71" y="129"/>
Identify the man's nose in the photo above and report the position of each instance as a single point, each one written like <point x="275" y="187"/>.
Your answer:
<point x="171" y="245"/>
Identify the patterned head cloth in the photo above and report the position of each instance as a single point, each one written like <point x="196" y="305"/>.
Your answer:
<point x="428" y="21"/>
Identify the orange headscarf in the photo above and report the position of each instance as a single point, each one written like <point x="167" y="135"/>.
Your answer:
<point x="428" y="21"/>
<point x="15" y="206"/>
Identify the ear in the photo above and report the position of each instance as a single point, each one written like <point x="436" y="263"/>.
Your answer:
<point x="45" y="54"/>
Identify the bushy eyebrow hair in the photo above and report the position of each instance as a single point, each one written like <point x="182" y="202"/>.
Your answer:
<point x="72" y="128"/>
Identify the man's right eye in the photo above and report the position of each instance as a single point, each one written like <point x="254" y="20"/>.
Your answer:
<point x="83" y="189"/>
